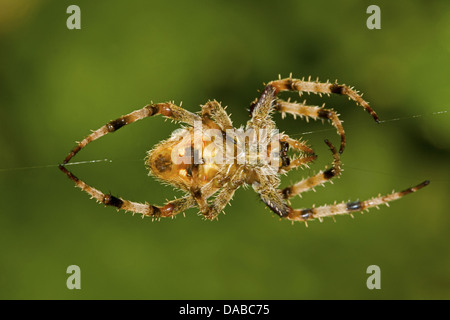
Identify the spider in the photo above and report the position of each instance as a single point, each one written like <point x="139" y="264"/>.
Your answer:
<point x="209" y="167"/>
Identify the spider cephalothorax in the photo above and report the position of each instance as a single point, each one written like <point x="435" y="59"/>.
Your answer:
<point x="210" y="159"/>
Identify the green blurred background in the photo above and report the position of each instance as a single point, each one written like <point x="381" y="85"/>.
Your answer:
<point x="57" y="84"/>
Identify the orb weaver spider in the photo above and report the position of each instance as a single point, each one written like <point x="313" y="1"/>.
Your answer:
<point x="188" y="160"/>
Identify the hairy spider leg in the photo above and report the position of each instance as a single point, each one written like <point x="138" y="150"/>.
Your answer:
<point x="288" y="164"/>
<point x="349" y="207"/>
<point x="261" y="110"/>
<point x="314" y="112"/>
<point x="215" y="116"/>
<point x="168" y="110"/>
<point x="290" y="84"/>
<point x="225" y="195"/>
<point x="275" y="199"/>
<point x="170" y="209"/>
<point x="318" y="179"/>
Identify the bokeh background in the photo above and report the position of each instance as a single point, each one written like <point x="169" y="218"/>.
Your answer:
<point x="57" y="84"/>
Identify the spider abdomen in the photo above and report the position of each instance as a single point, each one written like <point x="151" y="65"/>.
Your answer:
<point x="184" y="160"/>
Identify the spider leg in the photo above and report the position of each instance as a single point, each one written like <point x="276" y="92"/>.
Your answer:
<point x="314" y="112"/>
<point x="318" y="179"/>
<point x="349" y="207"/>
<point x="168" y="110"/>
<point x="226" y="182"/>
<point x="275" y="199"/>
<point x="214" y="114"/>
<point x="222" y="199"/>
<point x="170" y="209"/>
<point x="261" y="110"/>
<point x="296" y="144"/>
<point x="290" y="84"/>
<point x="288" y="164"/>
<point x="265" y="186"/>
